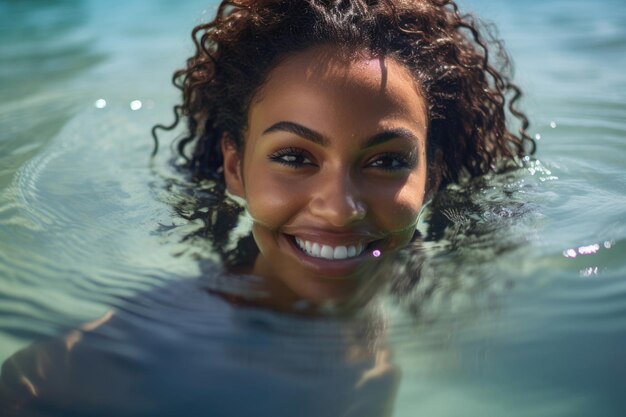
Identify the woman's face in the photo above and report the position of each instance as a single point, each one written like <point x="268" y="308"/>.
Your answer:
<point x="333" y="170"/>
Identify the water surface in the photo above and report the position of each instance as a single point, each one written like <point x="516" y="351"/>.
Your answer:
<point x="522" y="310"/>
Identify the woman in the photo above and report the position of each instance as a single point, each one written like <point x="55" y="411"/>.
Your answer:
<point x="332" y="122"/>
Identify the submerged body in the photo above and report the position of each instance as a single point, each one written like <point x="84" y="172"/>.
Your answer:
<point x="203" y="355"/>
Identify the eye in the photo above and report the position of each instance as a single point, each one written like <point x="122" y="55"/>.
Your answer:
<point x="293" y="157"/>
<point x="392" y="162"/>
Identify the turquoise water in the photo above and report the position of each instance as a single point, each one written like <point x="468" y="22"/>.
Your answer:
<point x="526" y="315"/>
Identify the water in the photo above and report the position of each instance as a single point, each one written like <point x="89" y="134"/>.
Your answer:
<point x="525" y="316"/>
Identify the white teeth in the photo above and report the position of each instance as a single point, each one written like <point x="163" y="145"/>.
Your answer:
<point x="317" y="250"/>
<point x="341" y="252"/>
<point x="327" y="252"/>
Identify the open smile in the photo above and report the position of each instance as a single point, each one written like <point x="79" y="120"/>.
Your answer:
<point x="328" y="253"/>
<point x="320" y="250"/>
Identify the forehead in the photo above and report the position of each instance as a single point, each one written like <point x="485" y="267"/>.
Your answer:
<point x="324" y="83"/>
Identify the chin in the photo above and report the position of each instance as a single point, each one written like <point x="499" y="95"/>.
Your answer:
<point x="339" y="291"/>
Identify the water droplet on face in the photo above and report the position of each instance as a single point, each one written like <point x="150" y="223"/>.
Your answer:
<point x="100" y="103"/>
<point x="135" y="105"/>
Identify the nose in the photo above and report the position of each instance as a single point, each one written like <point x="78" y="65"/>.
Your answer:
<point x="337" y="200"/>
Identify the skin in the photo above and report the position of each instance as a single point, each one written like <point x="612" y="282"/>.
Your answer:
<point x="334" y="153"/>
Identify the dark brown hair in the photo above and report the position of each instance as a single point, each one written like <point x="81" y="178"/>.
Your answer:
<point x="460" y="66"/>
<point x="468" y="92"/>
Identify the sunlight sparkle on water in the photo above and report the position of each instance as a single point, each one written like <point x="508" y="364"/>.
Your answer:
<point x="376" y="253"/>
<point x="589" y="271"/>
<point x="135" y="105"/>
<point x="588" y="250"/>
<point x="582" y="250"/>
<point x="100" y="103"/>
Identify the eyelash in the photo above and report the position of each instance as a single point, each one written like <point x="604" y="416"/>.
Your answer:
<point x="301" y="158"/>
<point x="405" y="161"/>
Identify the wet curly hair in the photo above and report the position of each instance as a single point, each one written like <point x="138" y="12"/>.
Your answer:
<point x="464" y="73"/>
<point x="461" y="67"/>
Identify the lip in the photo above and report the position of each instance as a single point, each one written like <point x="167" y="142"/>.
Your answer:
<point x="335" y="268"/>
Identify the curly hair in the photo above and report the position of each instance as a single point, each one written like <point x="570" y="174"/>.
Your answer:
<point x="461" y="67"/>
<point x="467" y="94"/>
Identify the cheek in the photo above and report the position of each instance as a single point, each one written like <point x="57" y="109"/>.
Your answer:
<point x="398" y="207"/>
<point x="263" y="238"/>
<point x="271" y="202"/>
<point x="400" y="218"/>
<point x="399" y="213"/>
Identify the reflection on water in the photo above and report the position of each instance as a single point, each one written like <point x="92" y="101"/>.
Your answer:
<point x="519" y="308"/>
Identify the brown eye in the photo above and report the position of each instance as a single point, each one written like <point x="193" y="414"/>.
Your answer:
<point x="293" y="157"/>
<point x="392" y="162"/>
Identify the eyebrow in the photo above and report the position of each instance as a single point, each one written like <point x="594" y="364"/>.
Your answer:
<point x="319" y="139"/>
<point x="299" y="130"/>
<point x="388" y="135"/>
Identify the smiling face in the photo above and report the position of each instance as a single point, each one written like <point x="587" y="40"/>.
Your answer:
<point x="333" y="170"/>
